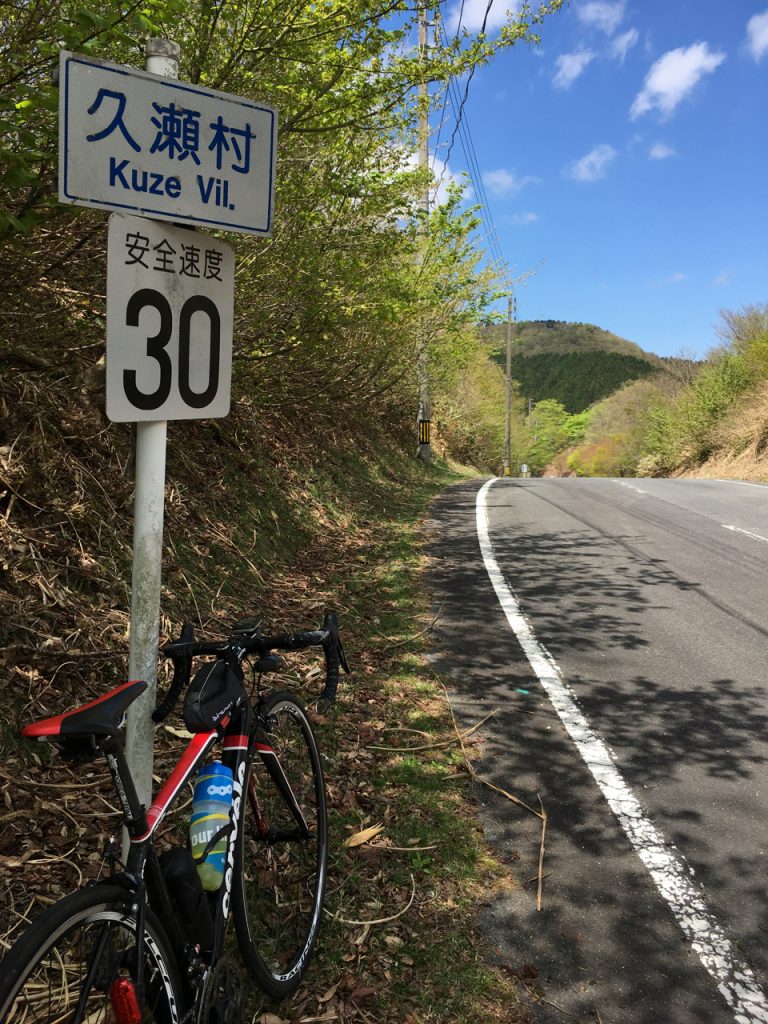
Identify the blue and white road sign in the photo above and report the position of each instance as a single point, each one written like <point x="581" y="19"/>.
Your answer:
<point x="137" y="143"/>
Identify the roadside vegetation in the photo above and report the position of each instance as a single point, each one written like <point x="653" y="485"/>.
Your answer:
<point x="709" y="418"/>
<point x="304" y="497"/>
<point x="400" y="794"/>
<point x="675" y="416"/>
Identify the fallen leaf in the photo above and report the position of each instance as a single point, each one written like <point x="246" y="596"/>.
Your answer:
<point x="329" y="994"/>
<point x="182" y="734"/>
<point x="361" y="993"/>
<point x="363" y="837"/>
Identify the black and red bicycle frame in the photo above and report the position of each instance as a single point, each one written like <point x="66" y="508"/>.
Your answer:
<point x="242" y="737"/>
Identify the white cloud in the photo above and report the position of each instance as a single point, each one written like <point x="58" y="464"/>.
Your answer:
<point x="570" y="66"/>
<point x="444" y="178"/>
<point x="521" y="219"/>
<point x="661" y="151"/>
<point x="757" y="35"/>
<point x="723" y="278"/>
<point x="621" y="45"/>
<point x="677" y="278"/>
<point x="504" y="183"/>
<point x="602" y="14"/>
<point x="593" y="165"/>
<point x="673" y="76"/>
<point x="472" y="13"/>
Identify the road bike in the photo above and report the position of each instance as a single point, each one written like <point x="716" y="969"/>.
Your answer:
<point x="147" y="943"/>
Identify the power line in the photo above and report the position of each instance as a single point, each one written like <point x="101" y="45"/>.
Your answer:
<point x="439" y="32"/>
<point x="469" y="79"/>
<point x="462" y="131"/>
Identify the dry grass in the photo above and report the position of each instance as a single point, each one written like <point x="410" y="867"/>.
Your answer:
<point x="248" y="529"/>
<point x="741" y="441"/>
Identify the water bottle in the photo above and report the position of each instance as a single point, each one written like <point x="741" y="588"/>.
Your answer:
<point x="210" y="813"/>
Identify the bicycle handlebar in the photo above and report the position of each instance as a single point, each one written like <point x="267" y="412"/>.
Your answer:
<point x="248" y="640"/>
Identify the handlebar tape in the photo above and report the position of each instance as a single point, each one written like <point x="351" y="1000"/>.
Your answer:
<point x="284" y="642"/>
<point x="182" y="671"/>
<point x="334" y="659"/>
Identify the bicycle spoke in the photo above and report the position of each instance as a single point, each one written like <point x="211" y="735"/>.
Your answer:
<point x="64" y="967"/>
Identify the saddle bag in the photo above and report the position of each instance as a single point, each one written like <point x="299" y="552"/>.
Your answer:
<point x="216" y="691"/>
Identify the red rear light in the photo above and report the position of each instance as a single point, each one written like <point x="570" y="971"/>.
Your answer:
<point x="122" y="995"/>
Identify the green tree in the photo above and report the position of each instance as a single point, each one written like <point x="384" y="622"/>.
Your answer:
<point x="331" y="308"/>
<point x="548" y="427"/>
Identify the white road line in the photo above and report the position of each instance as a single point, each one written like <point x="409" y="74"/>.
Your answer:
<point x="736" y="981"/>
<point x="632" y="487"/>
<point x="744" y="483"/>
<point x="738" y="529"/>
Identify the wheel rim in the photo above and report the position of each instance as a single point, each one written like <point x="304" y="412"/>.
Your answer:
<point x="69" y="981"/>
<point x="283" y="875"/>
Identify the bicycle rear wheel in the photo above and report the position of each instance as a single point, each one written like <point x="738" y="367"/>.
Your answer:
<point x="64" y="967"/>
<point x="280" y="865"/>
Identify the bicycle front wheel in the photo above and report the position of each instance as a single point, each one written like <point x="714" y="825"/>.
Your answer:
<point x="282" y="848"/>
<point x="68" y="966"/>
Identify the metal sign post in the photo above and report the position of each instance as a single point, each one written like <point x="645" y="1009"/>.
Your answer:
<point x="145" y="599"/>
<point x="162" y="57"/>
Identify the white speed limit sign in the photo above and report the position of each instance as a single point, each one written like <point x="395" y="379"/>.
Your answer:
<point x="170" y="301"/>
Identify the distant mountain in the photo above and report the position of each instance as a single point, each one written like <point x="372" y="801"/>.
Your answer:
<point x="533" y="337"/>
<point x="577" y="364"/>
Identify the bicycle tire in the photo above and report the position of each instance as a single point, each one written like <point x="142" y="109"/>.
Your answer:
<point x="87" y="938"/>
<point x="279" y="882"/>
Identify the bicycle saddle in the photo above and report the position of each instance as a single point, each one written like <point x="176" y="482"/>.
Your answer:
<point x="100" y="717"/>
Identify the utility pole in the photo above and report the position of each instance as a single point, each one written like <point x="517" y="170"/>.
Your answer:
<point x="511" y="305"/>
<point x="423" y="418"/>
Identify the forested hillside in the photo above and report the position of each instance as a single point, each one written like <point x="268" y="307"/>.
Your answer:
<point x="576" y="379"/>
<point x="571" y="363"/>
<point x="690" y="418"/>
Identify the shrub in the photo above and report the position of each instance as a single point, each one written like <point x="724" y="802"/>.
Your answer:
<point x="607" y="457"/>
<point x="746" y="334"/>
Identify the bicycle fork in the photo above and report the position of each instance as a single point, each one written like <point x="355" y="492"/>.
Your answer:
<point x="272" y="763"/>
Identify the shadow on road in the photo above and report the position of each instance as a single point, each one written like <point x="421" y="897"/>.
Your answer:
<point x="605" y="945"/>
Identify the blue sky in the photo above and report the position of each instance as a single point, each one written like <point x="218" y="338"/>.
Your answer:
<point x="625" y="160"/>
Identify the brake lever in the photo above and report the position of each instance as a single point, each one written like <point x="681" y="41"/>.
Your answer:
<point x="331" y="623"/>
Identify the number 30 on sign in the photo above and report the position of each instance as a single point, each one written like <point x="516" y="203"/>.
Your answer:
<point x="170" y="301"/>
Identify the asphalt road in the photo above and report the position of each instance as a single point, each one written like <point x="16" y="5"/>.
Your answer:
<point x="650" y="596"/>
